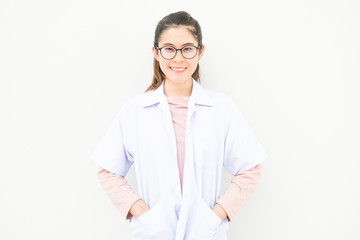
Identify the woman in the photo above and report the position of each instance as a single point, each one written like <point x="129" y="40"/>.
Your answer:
<point x="178" y="136"/>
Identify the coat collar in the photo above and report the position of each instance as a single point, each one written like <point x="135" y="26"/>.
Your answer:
<point x="198" y="96"/>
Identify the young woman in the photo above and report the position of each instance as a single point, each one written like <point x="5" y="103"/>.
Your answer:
<point x="178" y="136"/>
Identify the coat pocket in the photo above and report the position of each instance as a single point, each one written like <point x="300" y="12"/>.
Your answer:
<point x="205" y="222"/>
<point x="152" y="225"/>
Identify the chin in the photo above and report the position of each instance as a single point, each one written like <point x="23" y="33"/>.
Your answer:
<point x="178" y="79"/>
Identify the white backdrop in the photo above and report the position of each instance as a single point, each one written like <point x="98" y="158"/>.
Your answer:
<point x="293" y="68"/>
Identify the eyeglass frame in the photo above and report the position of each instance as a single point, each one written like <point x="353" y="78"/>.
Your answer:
<point x="179" y="49"/>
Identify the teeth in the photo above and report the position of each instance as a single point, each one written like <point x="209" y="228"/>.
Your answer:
<point x="177" y="69"/>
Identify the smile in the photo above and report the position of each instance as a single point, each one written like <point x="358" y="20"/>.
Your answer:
<point x="177" y="69"/>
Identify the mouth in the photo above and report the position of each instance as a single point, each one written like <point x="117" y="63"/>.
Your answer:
<point x="178" y="69"/>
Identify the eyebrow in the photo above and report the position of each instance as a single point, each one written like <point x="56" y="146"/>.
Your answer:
<point x="185" y="44"/>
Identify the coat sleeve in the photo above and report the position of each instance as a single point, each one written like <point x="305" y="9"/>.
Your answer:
<point x="111" y="152"/>
<point x="242" y="149"/>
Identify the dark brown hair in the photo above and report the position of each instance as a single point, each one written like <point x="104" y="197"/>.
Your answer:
<point x="176" y="19"/>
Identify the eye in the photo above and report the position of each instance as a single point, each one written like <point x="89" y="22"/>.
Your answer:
<point x="188" y="49"/>
<point x="168" y="49"/>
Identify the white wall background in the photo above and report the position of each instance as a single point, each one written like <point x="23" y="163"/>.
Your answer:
<point x="66" y="68"/>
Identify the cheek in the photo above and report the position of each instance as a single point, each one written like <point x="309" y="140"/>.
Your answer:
<point x="194" y="64"/>
<point x="163" y="66"/>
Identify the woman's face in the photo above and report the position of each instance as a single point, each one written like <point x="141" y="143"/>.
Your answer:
<point x="179" y="69"/>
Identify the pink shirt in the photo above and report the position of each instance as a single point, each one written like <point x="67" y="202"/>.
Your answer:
<point x="178" y="109"/>
<point x="241" y="188"/>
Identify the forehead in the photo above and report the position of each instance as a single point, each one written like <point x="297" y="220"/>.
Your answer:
<point x="177" y="36"/>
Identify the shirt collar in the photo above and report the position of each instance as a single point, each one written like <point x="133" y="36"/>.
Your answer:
<point x="198" y="95"/>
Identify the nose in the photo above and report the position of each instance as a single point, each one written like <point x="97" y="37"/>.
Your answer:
<point x="178" y="56"/>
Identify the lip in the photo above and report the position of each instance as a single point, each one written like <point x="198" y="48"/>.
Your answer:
<point x="176" y="69"/>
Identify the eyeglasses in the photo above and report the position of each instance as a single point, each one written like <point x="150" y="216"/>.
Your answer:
<point x="188" y="52"/>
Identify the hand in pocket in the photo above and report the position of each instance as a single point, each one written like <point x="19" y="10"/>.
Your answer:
<point x="205" y="222"/>
<point x="152" y="224"/>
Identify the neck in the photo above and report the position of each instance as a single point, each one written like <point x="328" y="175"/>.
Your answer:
<point x="177" y="89"/>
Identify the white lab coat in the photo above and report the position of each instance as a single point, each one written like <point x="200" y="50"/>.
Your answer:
<point x="142" y="135"/>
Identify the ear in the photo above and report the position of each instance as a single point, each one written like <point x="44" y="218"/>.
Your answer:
<point x="156" y="53"/>
<point x="201" y="51"/>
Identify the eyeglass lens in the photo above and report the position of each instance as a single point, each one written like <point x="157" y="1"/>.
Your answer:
<point x="170" y="52"/>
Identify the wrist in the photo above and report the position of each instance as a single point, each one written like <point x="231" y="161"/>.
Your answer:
<point x="139" y="208"/>
<point x="220" y="211"/>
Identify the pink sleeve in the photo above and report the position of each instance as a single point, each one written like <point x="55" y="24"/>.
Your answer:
<point x="240" y="190"/>
<point x="119" y="191"/>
